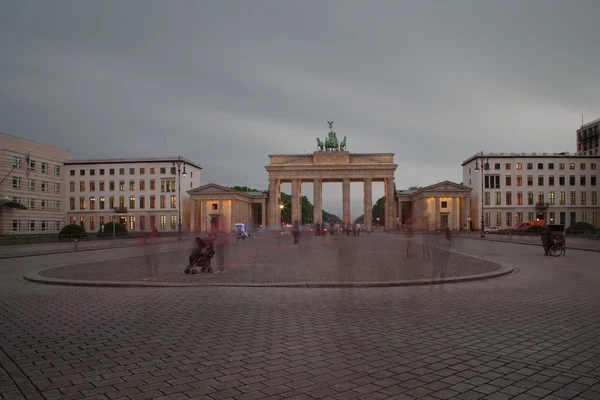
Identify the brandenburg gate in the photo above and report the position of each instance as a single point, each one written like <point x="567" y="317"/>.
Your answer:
<point x="331" y="163"/>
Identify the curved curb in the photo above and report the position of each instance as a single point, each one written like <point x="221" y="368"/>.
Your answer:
<point x="36" y="278"/>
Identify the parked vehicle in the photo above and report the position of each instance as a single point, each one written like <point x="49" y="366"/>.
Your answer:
<point x="493" y="229"/>
<point x="524" y="226"/>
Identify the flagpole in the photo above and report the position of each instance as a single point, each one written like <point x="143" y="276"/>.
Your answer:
<point x="13" y="168"/>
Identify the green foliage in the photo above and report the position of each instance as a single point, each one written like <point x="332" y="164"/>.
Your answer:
<point x="72" y="231"/>
<point x="415" y="187"/>
<point x="580" y="228"/>
<point x="120" y="230"/>
<point x="307" y="211"/>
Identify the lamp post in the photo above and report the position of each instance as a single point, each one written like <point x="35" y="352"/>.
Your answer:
<point x="485" y="166"/>
<point x="281" y="206"/>
<point x="179" y="163"/>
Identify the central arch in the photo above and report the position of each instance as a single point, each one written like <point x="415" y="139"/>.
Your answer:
<point x="339" y="166"/>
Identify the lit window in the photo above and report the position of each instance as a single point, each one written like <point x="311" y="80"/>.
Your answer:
<point x="92" y="203"/>
<point x="111" y="202"/>
<point x="152" y="184"/>
<point x="551" y="198"/>
<point x="102" y="186"/>
<point x="518" y="166"/>
<point x="562" y="198"/>
<point x="174" y="202"/>
<point x="163" y="201"/>
<point x="131" y="185"/>
<point x="121" y="202"/>
<point x="152" y="201"/>
<point x="121" y="186"/>
<point x="132" y="202"/>
<point x="71" y="186"/>
<point x="152" y="171"/>
<point x="82" y="203"/>
<point x="507" y="166"/>
<point x="572" y="166"/>
<point x="173" y="222"/>
<point x="102" y="202"/>
<point x="583" y="198"/>
<point x="132" y="223"/>
<point x="519" y="181"/>
<point x="519" y="198"/>
<point x="163" y="222"/>
<point x="573" y="198"/>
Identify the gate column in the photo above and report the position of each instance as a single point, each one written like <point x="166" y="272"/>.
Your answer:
<point x="368" y="202"/>
<point x="317" y="200"/>
<point x="346" y="200"/>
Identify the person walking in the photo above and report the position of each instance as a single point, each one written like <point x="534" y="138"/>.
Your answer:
<point x="221" y="247"/>
<point x="546" y="239"/>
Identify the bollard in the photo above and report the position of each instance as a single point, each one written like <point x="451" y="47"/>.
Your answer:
<point x="75" y="244"/>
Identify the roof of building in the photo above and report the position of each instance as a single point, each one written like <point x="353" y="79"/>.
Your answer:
<point x="564" y="154"/>
<point x="596" y="121"/>
<point x="406" y="191"/>
<point x="132" y="160"/>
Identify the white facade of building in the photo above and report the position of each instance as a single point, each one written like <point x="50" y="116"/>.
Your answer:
<point x="146" y="187"/>
<point x="558" y="188"/>
<point x="42" y="193"/>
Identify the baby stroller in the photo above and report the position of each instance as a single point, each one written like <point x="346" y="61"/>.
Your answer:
<point x="203" y="262"/>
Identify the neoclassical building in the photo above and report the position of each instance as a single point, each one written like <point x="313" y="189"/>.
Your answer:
<point x="435" y="207"/>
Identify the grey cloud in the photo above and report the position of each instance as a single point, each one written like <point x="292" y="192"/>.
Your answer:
<point x="227" y="83"/>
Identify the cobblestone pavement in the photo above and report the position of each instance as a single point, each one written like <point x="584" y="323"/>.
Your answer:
<point x="530" y="335"/>
<point x="340" y="259"/>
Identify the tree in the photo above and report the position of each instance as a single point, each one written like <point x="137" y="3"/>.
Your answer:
<point x="415" y="187"/>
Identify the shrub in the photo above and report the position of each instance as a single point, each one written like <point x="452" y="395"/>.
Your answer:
<point x="120" y="230"/>
<point x="578" y="228"/>
<point x="72" y="231"/>
<point x="535" y="230"/>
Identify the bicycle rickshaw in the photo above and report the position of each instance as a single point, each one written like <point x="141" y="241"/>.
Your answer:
<point x="558" y="241"/>
<point x="241" y="233"/>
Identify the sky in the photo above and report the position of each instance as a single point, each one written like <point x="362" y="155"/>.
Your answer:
<point x="226" y="83"/>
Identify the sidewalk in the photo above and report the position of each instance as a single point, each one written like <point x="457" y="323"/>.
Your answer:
<point x="24" y="250"/>
<point x="573" y="242"/>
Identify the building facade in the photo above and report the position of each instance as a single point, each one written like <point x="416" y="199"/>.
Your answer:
<point x="587" y="138"/>
<point x="145" y="190"/>
<point x="42" y="193"/>
<point x="559" y="188"/>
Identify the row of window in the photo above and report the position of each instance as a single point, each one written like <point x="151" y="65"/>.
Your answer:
<point x="44" y="204"/>
<point x="89" y="223"/>
<point x="540" y="166"/>
<point x="493" y="181"/>
<point x="83" y="202"/>
<point x="45" y="168"/>
<point x="550" y="217"/>
<point x="166" y="186"/>
<point x="132" y="222"/>
<point x="33" y="226"/>
<point x="541" y="198"/>
<point x="111" y="171"/>
<point x="45" y="186"/>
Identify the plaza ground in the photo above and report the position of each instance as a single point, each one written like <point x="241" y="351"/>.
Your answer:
<point x="531" y="334"/>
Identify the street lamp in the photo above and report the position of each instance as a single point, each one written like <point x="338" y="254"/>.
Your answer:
<point x="485" y="167"/>
<point x="179" y="163"/>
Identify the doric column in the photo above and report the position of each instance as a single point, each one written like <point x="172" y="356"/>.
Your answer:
<point x="263" y="215"/>
<point x="192" y="215"/>
<point x="300" y="216"/>
<point x="368" y="202"/>
<point x="295" y="202"/>
<point x="317" y="200"/>
<point x="346" y="200"/>
<point x="390" y="217"/>
<point x="437" y="213"/>
<point x="455" y="219"/>
<point x="221" y="218"/>
<point x="273" y="206"/>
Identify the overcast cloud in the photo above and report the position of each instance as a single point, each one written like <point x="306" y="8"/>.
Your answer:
<point x="226" y="83"/>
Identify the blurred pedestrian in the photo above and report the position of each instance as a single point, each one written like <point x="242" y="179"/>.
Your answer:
<point x="221" y="245"/>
